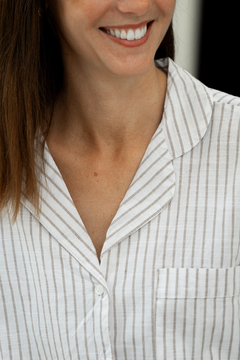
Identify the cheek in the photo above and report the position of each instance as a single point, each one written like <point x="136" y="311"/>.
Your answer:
<point x="89" y="11"/>
<point x="166" y="7"/>
<point x="86" y="12"/>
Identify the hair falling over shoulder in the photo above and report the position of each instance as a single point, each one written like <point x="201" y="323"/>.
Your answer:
<point x="31" y="75"/>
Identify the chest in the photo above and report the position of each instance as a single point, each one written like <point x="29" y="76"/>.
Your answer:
<point x="97" y="191"/>
<point x="149" y="291"/>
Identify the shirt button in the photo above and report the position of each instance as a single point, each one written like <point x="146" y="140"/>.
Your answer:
<point x="99" y="289"/>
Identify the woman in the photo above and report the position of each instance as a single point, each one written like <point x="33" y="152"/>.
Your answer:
<point x="120" y="239"/>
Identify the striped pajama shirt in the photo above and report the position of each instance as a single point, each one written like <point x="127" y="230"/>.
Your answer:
<point x="168" y="284"/>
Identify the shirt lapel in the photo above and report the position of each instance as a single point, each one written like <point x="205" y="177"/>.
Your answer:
<point x="60" y="218"/>
<point x="187" y="114"/>
<point x="149" y="193"/>
<point x="187" y="110"/>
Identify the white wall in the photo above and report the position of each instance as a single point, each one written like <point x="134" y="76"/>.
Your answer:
<point x="186" y="24"/>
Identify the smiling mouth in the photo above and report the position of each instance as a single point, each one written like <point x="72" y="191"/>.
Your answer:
<point x="127" y="34"/>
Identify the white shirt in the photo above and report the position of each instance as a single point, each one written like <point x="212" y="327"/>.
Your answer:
<point x="169" y="280"/>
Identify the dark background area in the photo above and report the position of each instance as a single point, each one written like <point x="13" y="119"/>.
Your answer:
<point x="219" y="53"/>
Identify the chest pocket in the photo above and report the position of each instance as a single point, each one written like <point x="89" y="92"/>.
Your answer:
<point x="197" y="313"/>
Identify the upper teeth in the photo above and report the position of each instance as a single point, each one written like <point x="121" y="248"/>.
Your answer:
<point x="129" y="34"/>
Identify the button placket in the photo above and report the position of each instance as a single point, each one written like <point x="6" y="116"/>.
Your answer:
<point x="99" y="289"/>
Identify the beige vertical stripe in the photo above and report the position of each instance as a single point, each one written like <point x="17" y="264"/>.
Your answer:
<point x="170" y="266"/>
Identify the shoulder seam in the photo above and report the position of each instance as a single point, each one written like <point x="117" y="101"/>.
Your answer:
<point x="224" y="98"/>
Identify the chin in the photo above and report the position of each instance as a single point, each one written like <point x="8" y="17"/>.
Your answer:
<point x="130" y="66"/>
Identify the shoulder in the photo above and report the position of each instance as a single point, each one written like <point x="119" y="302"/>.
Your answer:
<point x="224" y="98"/>
<point x="227" y="105"/>
<point x="191" y="109"/>
<point x="226" y="111"/>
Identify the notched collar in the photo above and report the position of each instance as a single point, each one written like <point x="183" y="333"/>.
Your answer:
<point x="187" y="111"/>
<point x="187" y="114"/>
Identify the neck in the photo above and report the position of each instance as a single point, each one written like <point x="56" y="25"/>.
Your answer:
<point x="109" y="112"/>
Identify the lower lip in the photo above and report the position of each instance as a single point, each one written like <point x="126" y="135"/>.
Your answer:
<point x="130" y="43"/>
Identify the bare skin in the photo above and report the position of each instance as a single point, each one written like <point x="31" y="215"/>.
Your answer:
<point x="109" y="107"/>
<point x="98" y="166"/>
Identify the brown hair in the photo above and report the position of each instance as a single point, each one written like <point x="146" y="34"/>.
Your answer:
<point x="31" y="75"/>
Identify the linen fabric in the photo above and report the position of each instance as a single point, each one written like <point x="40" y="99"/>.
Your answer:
<point x="168" y="284"/>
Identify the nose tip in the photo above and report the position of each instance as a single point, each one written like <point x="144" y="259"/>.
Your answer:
<point x="137" y="7"/>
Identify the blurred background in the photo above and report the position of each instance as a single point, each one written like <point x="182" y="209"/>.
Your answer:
<point x="207" y="42"/>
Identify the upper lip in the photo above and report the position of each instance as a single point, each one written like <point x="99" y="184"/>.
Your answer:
<point x="129" y="26"/>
